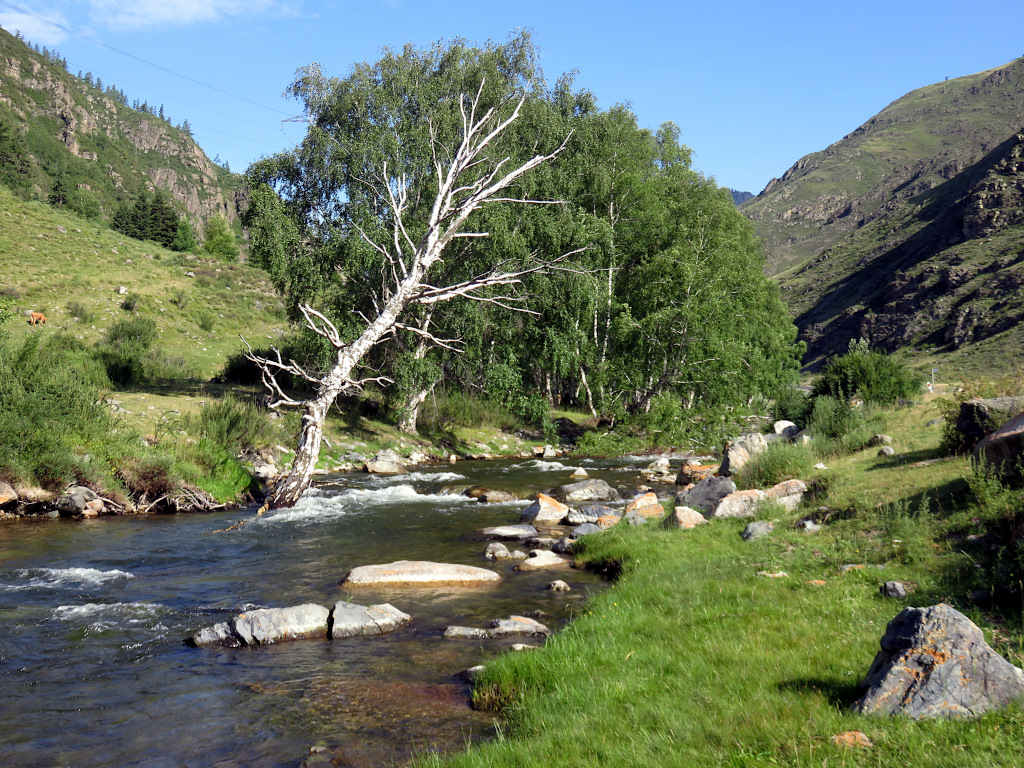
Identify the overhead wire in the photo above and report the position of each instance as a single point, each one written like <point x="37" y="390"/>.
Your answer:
<point x="160" y="67"/>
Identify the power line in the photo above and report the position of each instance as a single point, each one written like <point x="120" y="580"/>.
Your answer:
<point x="188" y="103"/>
<point x="162" y="68"/>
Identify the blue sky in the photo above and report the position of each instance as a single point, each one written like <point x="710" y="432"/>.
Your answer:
<point x="753" y="86"/>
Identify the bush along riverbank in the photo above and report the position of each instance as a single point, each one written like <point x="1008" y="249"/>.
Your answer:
<point x="719" y="648"/>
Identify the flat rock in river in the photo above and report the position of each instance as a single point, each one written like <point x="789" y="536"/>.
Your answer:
<point x="542" y="559"/>
<point x="351" y="619"/>
<point x="586" y="490"/>
<point x="509" y="532"/>
<point x="419" y="573"/>
<point x="264" y="626"/>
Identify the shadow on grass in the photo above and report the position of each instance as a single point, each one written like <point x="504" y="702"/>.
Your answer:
<point x="906" y="459"/>
<point x="839" y="694"/>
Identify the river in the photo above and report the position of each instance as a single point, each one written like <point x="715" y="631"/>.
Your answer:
<point x="93" y="614"/>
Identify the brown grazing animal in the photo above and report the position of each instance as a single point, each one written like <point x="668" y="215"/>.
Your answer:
<point x="34" y="318"/>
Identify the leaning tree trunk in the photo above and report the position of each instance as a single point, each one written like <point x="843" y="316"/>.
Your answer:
<point x="411" y="410"/>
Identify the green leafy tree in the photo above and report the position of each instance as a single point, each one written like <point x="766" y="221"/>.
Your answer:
<point x="399" y="162"/>
<point x="184" y="237"/>
<point x="220" y="241"/>
<point x="15" y="162"/>
<point x="58" y="197"/>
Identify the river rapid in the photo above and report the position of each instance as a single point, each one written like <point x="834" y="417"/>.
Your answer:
<point x="93" y="614"/>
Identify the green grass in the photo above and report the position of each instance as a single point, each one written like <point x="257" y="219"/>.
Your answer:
<point x="690" y="659"/>
<point x="73" y="277"/>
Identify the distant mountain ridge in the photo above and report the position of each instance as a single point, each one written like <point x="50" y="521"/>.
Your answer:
<point x="910" y="231"/>
<point x="106" y="151"/>
<point x="740" y="197"/>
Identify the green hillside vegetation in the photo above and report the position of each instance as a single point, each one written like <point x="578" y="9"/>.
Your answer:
<point x="73" y="276"/>
<point x="62" y="132"/>
<point x="913" y="145"/>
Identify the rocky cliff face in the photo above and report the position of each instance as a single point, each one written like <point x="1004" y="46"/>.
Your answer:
<point x="943" y="268"/>
<point x="128" y="150"/>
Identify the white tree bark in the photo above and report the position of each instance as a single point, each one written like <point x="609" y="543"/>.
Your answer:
<point x="470" y="180"/>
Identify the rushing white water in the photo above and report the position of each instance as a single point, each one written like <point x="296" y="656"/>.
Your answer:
<point x="55" y="578"/>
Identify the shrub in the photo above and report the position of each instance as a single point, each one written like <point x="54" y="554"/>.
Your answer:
<point x="130" y="303"/>
<point x="873" y="376"/>
<point x="831" y="417"/>
<point x="80" y="312"/>
<point x="792" y="405"/>
<point x="778" y="462"/>
<point x="236" y="426"/>
<point x="206" y="321"/>
<point x="49" y="407"/>
<point x="179" y="298"/>
<point x="123" y="350"/>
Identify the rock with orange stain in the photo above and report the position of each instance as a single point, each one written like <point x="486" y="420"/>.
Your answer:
<point x="851" y="739"/>
<point x="544" y="511"/>
<point x="646" y="506"/>
<point x="817" y="582"/>
<point x="934" y="662"/>
<point x="684" y="518"/>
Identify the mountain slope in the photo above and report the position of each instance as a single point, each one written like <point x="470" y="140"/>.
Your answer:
<point x="104" y="151"/>
<point x="915" y="144"/>
<point x="943" y="269"/>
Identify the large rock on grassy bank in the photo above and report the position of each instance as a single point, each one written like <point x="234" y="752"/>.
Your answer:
<point x="1003" y="450"/>
<point x="979" y="417"/>
<point x="739" y="451"/>
<point x="420" y="573"/>
<point x="934" y="662"/>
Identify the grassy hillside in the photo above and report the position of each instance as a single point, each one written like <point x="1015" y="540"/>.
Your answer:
<point x="70" y="269"/>
<point x="913" y="145"/>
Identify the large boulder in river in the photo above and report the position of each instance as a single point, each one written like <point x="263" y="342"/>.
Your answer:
<point x="585" y="490"/>
<point x="496" y="497"/>
<point x="264" y="626"/>
<point x="349" y="619"/>
<point x="419" y="573"/>
<point x="1003" y="450"/>
<point x="544" y="511"/>
<point x="739" y="451"/>
<point x="934" y="662"/>
<point x="979" y="417"/>
<point x="588" y="513"/>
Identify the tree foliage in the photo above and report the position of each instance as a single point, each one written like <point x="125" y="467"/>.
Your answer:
<point x="866" y="373"/>
<point x="148" y="218"/>
<point x="663" y="301"/>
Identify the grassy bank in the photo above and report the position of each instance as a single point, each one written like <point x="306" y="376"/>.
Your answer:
<point x="691" y="659"/>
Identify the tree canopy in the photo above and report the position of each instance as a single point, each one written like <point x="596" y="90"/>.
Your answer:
<point x="662" y="297"/>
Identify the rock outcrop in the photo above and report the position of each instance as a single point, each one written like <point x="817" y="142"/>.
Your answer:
<point x="934" y="662"/>
<point x="1003" y="450"/>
